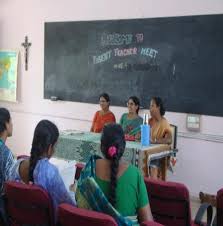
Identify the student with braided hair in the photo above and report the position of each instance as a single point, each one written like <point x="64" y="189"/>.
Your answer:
<point x="6" y="157"/>
<point x="38" y="170"/>
<point x="122" y="184"/>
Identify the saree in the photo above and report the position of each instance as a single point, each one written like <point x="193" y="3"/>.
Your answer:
<point x="131" y="126"/>
<point x="90" y="196"/>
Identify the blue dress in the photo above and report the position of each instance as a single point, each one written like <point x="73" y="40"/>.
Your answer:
<point x="6" y="162"/>
<point x="47" y="176"/>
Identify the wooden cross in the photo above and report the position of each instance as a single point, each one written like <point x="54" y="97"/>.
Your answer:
<point x="26" y="45"/>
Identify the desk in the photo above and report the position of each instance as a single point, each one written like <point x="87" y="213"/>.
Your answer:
<point x="75" y="145"/>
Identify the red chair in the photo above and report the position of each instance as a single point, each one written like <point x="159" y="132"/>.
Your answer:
<point x="170" y="204"/>
<point x="72" y="216"/>
<point x="151" y="223"/>
<point x="28" y="204"/>
<point x="218" y="221"/>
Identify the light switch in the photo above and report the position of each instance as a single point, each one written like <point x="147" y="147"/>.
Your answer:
<point x="193" y="122"/>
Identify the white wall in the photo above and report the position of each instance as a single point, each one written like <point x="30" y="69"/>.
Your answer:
<point x="199" y="165"/>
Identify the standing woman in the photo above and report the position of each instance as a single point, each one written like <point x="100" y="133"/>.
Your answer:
<point x="6" y="157"/>
<point x="160" y="130"/>
<point x="104" y="116"/>
<point x="131" y="121"/>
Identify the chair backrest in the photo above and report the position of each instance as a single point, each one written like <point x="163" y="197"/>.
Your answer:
<point x="169" y="202"/>
<point x="174" y="136"/>
<point x="71" y="216"/>
<point x="151" y="223"/>
<point x="28" y="204"/>
<point x="220" y="207"/>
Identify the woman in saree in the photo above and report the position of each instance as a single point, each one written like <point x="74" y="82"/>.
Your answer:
<point x="160" y="131"/>
<point x="115" y="188"/>
<point x="131" y="121"/>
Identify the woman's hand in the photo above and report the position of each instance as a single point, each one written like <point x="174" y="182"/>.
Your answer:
<point x="138" y="136"/>
<point x="72" y="187"/>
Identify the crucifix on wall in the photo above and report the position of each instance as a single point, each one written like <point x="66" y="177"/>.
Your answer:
<point x="26" y="46"/>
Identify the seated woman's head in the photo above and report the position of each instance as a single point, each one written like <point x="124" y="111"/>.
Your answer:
<point x="156" y="107"/>
<point x="104" y="101"/>
<point x="5" y="123"/>
<point x="133" y="104"/>
<point x="112" y="147"/>
<point x="112" y="138"/>
<point x="45" y="137"/>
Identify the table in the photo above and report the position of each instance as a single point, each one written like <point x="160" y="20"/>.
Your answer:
<point x="79" y="146"/>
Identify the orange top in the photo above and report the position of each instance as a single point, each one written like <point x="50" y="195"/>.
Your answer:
<point x="100" y="120"/>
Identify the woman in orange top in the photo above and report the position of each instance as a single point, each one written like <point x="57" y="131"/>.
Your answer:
<point x="160" y="130"/>
<point x="104" y="116"/>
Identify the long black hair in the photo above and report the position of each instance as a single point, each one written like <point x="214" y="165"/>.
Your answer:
<point x="4" y="118"/>
<point x="159" y="103"/>
<point x="113" y="136"/>
<point x="46" y="133"/>
<point x="136" y="101"/>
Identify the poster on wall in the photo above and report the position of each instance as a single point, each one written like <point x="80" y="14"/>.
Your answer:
<point x="8" y="75"/>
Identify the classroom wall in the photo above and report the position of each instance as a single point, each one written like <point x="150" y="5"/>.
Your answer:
<point x="200" y="154"/>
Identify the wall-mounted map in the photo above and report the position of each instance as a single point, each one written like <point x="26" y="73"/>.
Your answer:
<point x="8" y="75"/>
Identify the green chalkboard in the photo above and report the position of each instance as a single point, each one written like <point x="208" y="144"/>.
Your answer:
<point x="176" y="58"/>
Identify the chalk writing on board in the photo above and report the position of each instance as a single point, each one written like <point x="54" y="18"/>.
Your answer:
<point x="125" y="52"/>
<point x="123" y="41"/>
<point x="102" y="58"/>
<point x="124" y="66"/>
<point x="139" y="37"/>
<point x="116" y="39"/>
<point x="149" y="52"/>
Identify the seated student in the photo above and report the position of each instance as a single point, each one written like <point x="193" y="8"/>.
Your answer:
<point x="121" y="183"/>
<point x="38" y="169"/>
<point x="131" y="121"/>
<point x="6" y="157"/>
<point x="160" y="130"/>
<point x="104" y="116"/>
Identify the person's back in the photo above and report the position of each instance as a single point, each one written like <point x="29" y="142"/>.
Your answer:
<point x="6" y="157"/>
<point x="123" y="184"/>
<point x="131" y="194"/>
<point x="38" y="169"/>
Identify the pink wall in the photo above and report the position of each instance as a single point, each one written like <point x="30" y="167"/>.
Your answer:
<point x="199" y="160"/>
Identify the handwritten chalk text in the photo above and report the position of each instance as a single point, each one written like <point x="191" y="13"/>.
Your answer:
<point x="125" y="52"/>
<point x="116" y="39"/>
<point x="149" y="52"/>
<point x="102" y="58"/>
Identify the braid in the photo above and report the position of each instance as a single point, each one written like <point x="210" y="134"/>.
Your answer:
<point x="113" y="179"/>
<point x="34" y="157"/>
<point x="112" y="147"/>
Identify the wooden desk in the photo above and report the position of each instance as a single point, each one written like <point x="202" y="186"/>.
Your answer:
<point x="75" y="145"/>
